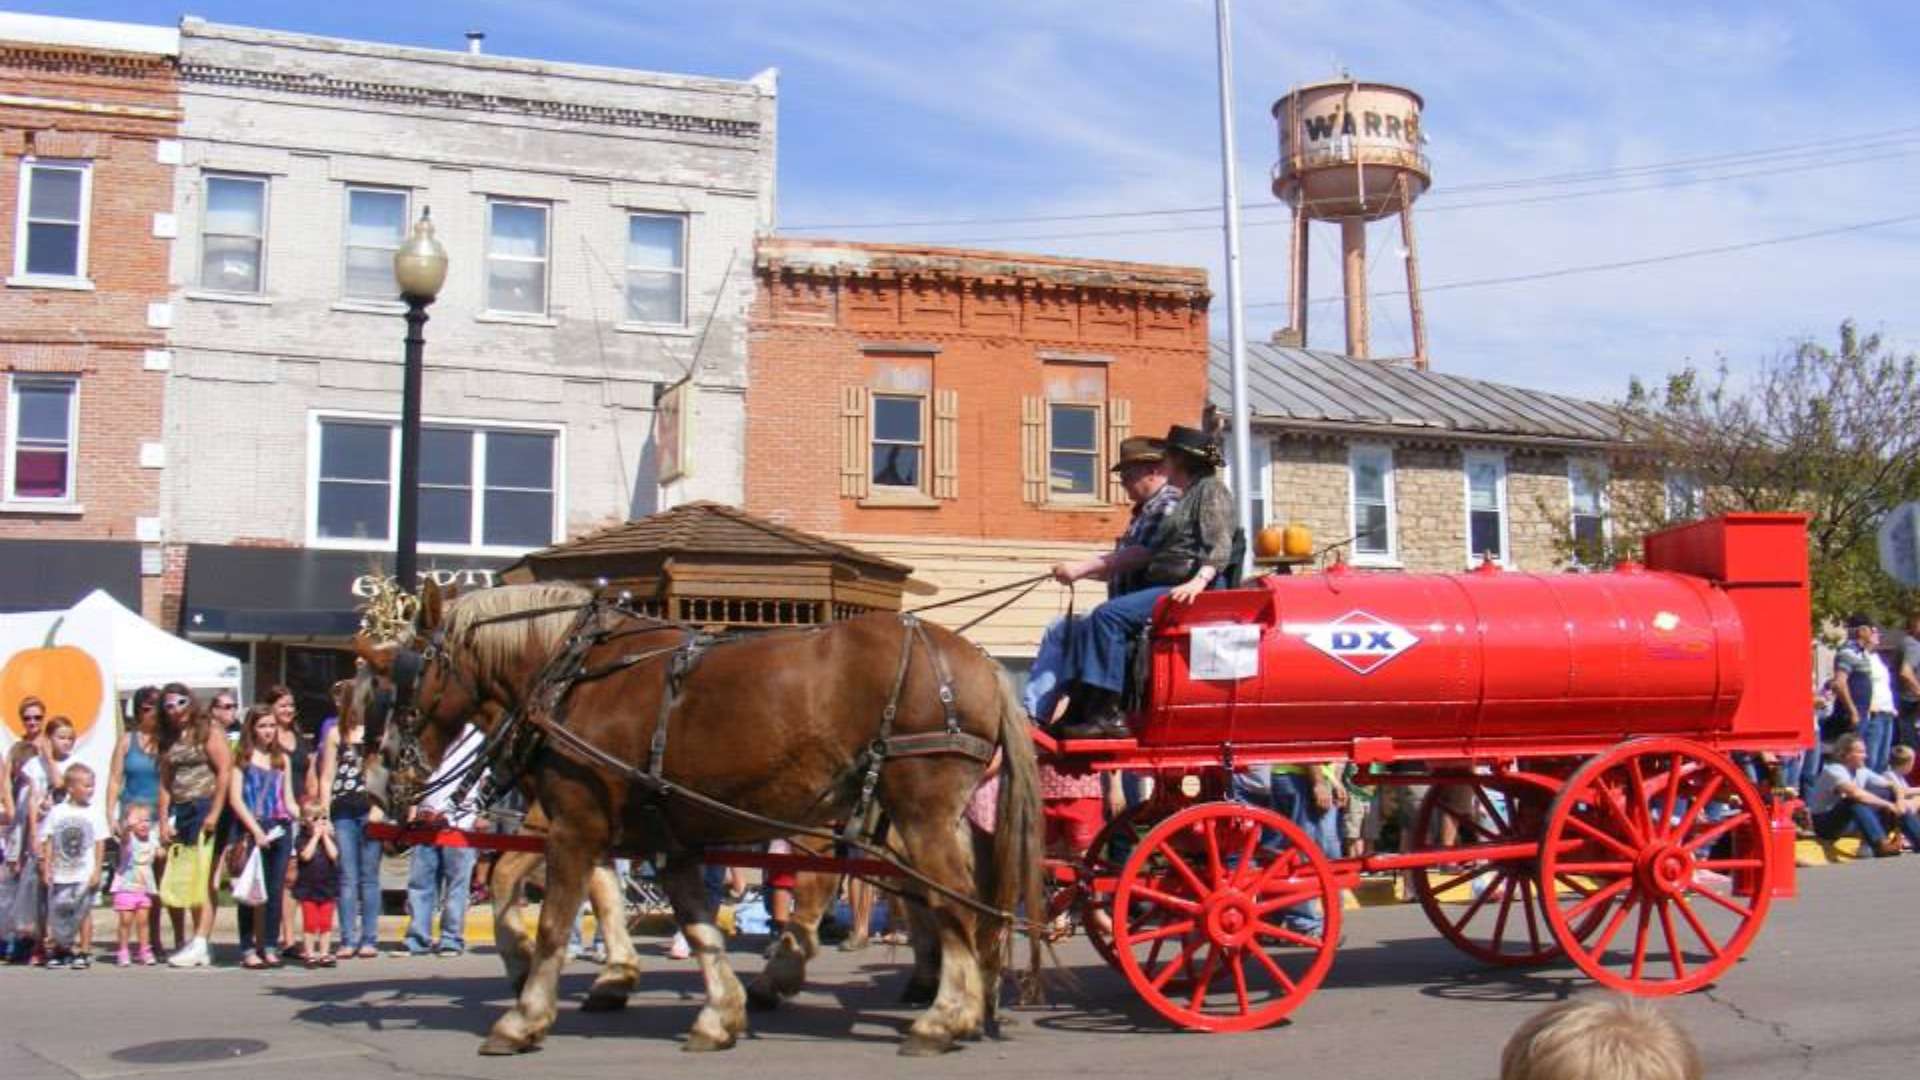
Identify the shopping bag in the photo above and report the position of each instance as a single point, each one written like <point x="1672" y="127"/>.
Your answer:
<point x="250" y="888"/>
<point x="184" y="885"/>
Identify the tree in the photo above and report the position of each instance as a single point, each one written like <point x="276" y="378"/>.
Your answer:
<point x="1833" y="433"/>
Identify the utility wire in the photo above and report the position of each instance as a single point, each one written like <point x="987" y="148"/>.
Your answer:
<point x="1623" y="264"/>
<point x="1853" y="143"/>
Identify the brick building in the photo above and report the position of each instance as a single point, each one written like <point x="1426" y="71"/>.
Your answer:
<point x="1427" y="471"/>
<point x="89" y="113"/>
<point x="585" y="361"/>
<point x="957" y="411"/>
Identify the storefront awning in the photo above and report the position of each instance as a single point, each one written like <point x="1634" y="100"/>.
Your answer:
<point x="52" y="575"/>
<point x="299" y="593"/>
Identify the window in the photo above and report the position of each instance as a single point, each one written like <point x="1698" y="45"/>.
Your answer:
<point x="1371" y="469"/>
<point x="516" y="257"/>
<point x="1684" y="501"/>
<point x="1486" y="506"/>
<point x="1587" y="488"/>
<point x="43" y="415"/>
<point x="657" y="269"/>
<point x="50" y="238"/>
<point x="233" y="234"/>
<point x="1260" y="483"/>
<point x="899" y="439"/>
<point x="480" y="488"/>
<point x="376" y="227"/>
<point x="1073" y="451"/>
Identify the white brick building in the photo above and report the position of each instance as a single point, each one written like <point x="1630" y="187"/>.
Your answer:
<point x="599" y="227"/>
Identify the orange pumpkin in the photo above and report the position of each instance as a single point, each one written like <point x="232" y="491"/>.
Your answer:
<point x="65" y="677"/>
<point x="1296" y="542"/>
<point x="1267" y="543"/>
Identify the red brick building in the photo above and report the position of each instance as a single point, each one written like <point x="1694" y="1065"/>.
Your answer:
<point x="958" y="410"/>
<point x="88" y="116"/>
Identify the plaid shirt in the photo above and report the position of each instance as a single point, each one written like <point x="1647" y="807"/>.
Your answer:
<point x="1140" y="532"/>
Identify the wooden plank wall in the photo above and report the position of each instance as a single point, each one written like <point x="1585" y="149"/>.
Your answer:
<point x="959" y="567"/>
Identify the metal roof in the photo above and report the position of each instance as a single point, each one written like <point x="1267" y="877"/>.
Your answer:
<point x="1330" y="391"/>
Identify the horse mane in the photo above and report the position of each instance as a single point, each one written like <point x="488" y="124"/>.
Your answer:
<point x="495" y="645"/>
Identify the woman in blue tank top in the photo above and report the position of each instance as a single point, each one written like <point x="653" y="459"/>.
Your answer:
<point x="136" y="760"/>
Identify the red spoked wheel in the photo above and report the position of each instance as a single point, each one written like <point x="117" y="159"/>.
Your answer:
<point x="1501" y="919"/>
<point x="1217" y="932"/>
<point x="1642" y="853"/>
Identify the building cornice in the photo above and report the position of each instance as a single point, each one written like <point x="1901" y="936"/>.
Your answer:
<point x="77" y="60"/>
<point x="315" y="84"/>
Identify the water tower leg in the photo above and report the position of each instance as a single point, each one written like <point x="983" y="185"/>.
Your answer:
<point x="1417" y="313"/>
<point x="1298" y="255"/>
<point x="1353" y="259"/>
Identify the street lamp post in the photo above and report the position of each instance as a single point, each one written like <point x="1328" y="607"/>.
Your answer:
<point x="419" y="268"/>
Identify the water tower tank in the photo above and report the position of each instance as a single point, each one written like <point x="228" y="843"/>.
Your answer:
<point x="1344" y="148"/>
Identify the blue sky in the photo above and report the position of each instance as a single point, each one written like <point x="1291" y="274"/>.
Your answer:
<point x="911" y="112"/>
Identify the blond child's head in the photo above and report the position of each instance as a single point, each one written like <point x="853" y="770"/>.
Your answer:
<point x="1600" y="1040"/>
<point x="79" y="784"/>
<point x="1901" y="759"/>
<point x="139" y="820"/>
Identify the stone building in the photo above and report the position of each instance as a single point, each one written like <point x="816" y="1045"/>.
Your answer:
<point x="1396" y="468"/>
<point x="89" y="113"/>
<point x="957" y="411"/>
<point x="585" y="361"/>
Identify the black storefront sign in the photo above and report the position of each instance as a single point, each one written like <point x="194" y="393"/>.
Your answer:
<point x="49" y="575"/>
<point x="301" y="593"/>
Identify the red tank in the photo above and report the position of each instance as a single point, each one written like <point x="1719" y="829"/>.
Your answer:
<point x="1708" y="639"/>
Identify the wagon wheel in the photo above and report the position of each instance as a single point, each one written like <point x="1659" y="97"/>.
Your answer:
<point x="1502" y="920"/>
<point x="1218" y="933"/>
<point x="1100" y="873"/>
<point x="1643" y="850"/>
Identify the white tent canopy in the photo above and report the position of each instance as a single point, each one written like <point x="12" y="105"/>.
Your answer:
<point x="145" y="655"/>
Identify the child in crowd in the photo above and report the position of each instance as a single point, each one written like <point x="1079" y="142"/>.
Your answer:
<point x="316" y="884"/>
<point x="70" y="858"/>
<point x="1600" y="1040"/>
<point x="134" y="885"/>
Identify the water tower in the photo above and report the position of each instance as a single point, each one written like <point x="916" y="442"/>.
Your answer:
<point x="1350" y="152"/>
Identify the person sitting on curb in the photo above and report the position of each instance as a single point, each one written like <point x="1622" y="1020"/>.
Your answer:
<point x="1851" y="797"/>
<point x="1600" y="1040"/>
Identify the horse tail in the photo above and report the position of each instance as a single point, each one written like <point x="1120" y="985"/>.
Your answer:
<point x="1018" y="843"/>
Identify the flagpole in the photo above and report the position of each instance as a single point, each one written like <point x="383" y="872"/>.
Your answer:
<point x="1245" y="476"/>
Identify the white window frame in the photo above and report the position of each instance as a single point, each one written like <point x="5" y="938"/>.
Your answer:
<point x="23" y="193"/>
<point x="925" y="444"/>
<point x="266" y="229"/>
<point x="315" y="421"/>
<point x="1098" y="496"/>
<point x="346" y="245"/>
<point x="1597" y="470"/>
<point x="72" y="385"/>
<point x="1261" y="491"/>
<point x="1390" y="557"/>
<point x="1694" y="490"/>
<point x="487" y="258"/>
<point x="1499" y="460"/>
<point x="686" y="243"/>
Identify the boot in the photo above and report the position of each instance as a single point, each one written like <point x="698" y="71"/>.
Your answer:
<point x="1105" y="719"/>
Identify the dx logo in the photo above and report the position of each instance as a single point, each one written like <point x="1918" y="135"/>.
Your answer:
<point x="1360" y="640"/>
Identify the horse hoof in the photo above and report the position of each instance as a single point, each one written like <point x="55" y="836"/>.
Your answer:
<point x="760" y="999"/>
<point x="925" y="1046"/>
<point x="919" y="993"/>
<point x="699" y="1043"/>
<point x="497" y="1046"/>
<point x="604" y="1001"/>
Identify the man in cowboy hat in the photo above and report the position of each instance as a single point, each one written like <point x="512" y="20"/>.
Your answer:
<point x="1143" y="473"/>
<point x="1188" y="551"/>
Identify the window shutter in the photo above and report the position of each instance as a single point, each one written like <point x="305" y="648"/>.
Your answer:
<point x="1119" y="426"/>
<point x="946" y="454"/>
<point x="1033" y="448"/>
<point x="854" y="471"/>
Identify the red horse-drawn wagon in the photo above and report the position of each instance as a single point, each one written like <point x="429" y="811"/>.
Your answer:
<point x="1580" y="745"/>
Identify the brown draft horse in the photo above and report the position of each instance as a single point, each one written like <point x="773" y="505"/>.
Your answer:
<point x="774" y="725"/>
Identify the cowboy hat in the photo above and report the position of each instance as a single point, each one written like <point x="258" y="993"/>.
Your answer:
<point x="1193" y="442"/>
<point x="1140" y="450"/>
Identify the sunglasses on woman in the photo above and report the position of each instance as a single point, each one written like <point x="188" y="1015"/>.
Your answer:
<point x="178" y="703"/>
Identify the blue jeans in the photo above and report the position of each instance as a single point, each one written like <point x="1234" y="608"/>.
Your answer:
<point x="437" y="876"/>
<point x="1850" y="816"/>
<point x="359" y="883"/>
<point x="1877" y="732"/>
<point x="260" y="927"/>
<point x="1099" y="647"/>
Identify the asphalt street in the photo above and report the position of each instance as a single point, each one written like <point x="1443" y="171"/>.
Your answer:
<point x="1823" y="993"/>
